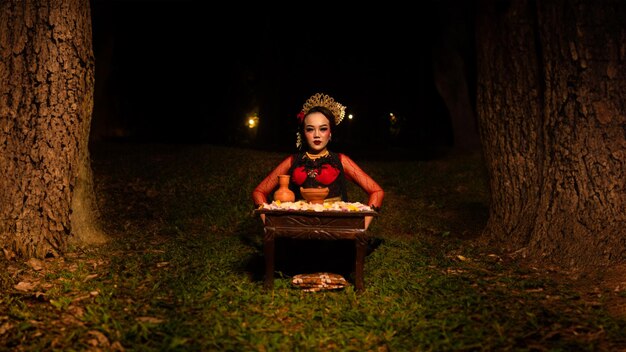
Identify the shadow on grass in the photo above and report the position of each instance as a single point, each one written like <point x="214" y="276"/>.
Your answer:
<point x="466" y="220"/>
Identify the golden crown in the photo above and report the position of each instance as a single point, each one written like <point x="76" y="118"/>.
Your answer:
<point x="326" y="101"/>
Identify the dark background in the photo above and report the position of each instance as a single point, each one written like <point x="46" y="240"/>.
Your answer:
<point x="188" y="72"/>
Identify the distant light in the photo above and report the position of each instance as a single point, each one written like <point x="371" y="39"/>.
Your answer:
<point x="253" y="121"/>
<point x="350" y="116"/>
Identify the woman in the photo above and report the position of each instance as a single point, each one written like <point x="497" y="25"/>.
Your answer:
<point x="317" y="166"/>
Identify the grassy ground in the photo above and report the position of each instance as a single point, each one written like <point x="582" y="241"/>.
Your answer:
<point x="183" y="270"/>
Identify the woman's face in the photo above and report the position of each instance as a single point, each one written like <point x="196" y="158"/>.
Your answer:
<point x="316" y="132"/>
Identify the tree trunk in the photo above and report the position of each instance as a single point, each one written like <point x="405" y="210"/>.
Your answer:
<point x="46" y="101"/>
<point x="552" y="119"/>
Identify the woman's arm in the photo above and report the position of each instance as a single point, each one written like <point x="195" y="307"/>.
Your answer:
<point x="355" y="174"/>
<point x="263" y="190"/>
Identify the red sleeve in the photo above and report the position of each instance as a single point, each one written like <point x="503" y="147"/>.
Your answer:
<point x="263" y="190"/>
<point x="355" y="174"/>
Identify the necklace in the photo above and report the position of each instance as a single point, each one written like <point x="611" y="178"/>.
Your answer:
<point x="317" y="156"/>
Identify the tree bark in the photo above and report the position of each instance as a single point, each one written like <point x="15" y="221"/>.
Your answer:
<point x="46" y="101"/>
<point x="552" y="119"/>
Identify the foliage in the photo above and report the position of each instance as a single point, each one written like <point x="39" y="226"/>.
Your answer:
<point x="183" y="270"/>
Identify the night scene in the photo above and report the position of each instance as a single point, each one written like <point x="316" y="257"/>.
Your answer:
<point x="191" y="176"/>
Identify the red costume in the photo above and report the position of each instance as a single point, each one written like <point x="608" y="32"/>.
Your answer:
<point x="330" y="171"/>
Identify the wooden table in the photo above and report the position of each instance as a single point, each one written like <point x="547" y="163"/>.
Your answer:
<point x="313" y="225"/>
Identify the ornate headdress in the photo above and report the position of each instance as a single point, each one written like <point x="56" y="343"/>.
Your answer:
<point x="321" y="99"/>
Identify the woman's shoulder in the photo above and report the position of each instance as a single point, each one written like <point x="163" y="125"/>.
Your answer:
<point x="295" y="156"/>
<point x="288" y="160"/>
<point x="341" y="156"/>
<point x="342" y="159"/>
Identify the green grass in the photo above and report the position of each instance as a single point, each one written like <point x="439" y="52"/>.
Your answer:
<point x="183" y="270"/>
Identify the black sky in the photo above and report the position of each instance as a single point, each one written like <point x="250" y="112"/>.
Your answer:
<point x="185" y="71"/>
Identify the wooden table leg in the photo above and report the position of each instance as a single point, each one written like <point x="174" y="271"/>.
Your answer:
<point x="268" y="252"/>
<point x="361" y="246"/>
